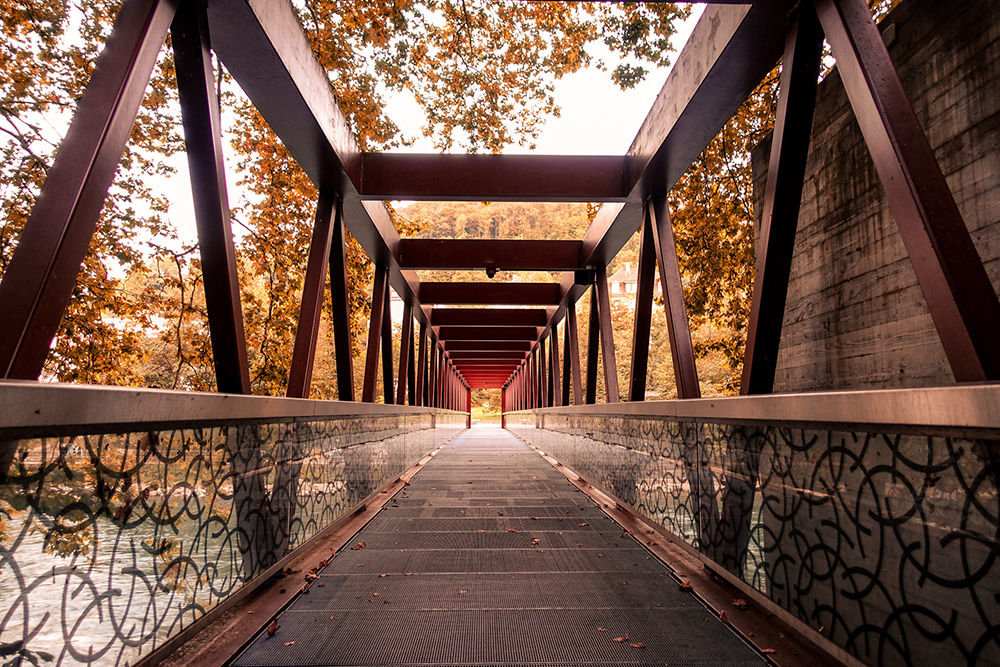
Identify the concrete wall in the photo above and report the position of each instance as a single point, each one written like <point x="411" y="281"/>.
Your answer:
<point x="855" y="317"/>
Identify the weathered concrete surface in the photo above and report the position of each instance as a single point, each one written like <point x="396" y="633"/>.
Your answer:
<point x="855" y="317"/>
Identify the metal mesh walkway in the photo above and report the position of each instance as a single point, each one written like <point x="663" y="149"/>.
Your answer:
<point x="491" y="557"/>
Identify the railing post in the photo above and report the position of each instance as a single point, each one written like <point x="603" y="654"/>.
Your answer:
<point x="340" y="301"/>
<point x="405" y="345"/>
<point x="388" y="392"/>
<point x="593" y="341"/>
<point x="572" y="351"/>
<point x="643" y="310"/>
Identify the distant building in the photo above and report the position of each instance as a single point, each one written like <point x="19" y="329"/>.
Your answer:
<point x="622" y="284"/>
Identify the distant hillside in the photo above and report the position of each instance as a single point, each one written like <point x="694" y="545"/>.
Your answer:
<point x="504" y="220"/>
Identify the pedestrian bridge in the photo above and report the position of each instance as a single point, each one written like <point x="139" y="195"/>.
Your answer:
<point x="143" y="527"/>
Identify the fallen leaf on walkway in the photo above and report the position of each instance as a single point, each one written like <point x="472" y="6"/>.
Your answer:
<point x="619" y="639"/>
<point x="535" y="540"/>
<point x="624" y="583"/>
<point x="685" y="586"/>
<point x="383" y="575"/>
<point x="359" y="545"/>
<point x="480" y="531"/>
<point x="321" y="584"/>
<point x="335" y="618"/>
<point x="271" y="629"/>
<point x="602" y="629"/>
<point x="512" y="530"/>
<point x="740" y="603"/>
<point x="583" y="524"/>
<point x="722" y="617"/>
<point x="768" y="650"/>
<point x="289" y="643"/>
<point x="637" y="645"/>
<point x="462" y="591"/>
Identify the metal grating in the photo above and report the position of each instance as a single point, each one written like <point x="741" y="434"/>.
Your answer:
<point x="495" y="561"/>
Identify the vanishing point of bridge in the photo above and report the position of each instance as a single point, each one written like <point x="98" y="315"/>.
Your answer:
<point x="841" y="527"/>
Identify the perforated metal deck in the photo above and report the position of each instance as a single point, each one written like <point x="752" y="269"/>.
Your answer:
<point x="491" y="557"/>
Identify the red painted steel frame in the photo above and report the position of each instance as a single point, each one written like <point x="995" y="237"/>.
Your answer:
<point x="789" y="149"/>
<point x="203" y="139"/>
<point x="307" y="332"/>
<point x="38" y="283"/>
<point x="672" y="289"/>
<point x="374" y="334"/>
<point x="341" y="306"/>
<point x="951" y="275"/>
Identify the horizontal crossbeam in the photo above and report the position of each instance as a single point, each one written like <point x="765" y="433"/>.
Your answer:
<point x="456" y="177"/>
<point x="490" y="294"/>
<point x="488" y="333"/>
<point x="503" y="254"/>
<point x="488" y="317"/>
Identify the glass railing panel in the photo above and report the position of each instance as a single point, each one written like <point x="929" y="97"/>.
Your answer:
<point x="885" y="538"/>
<point x="111" y="543"/>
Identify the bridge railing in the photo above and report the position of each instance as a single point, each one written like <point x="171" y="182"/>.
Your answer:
<point x="125" y="515"/>
<point x="870" y="516"/>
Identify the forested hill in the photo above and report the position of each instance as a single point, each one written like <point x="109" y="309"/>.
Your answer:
<point x="503" y="220"/>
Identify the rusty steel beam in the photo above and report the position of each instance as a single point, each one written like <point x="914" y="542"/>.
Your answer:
<point x="958" y="291"/>
<point x="573" y="352"/>
<point x="39" y="280"/>
<point x="307" y="332"/>
<point x="485" y="177"/>
<point x="672" y="291"/>
<point x="490" y="294"/>
<point x="488" y="346"/>
<point x="488" y="333"/>
<point x="555" y="383"/>
<point x="411" y="367"/>
<point x="489" y="317"/>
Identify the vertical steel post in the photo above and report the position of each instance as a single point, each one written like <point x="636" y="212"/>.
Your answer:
<point x="958" y="291"/>
<point x="341" y="304"/>
<point x="374" y="332"/>
<point x="307" y="332"/>
<point x="672" y="290"/>
<point x="411" y="366"/>
<point x="39" y="280"/>
<point x="543" y="375"/>
<point x="607" y="336"/>
<point x="786" y="171"/>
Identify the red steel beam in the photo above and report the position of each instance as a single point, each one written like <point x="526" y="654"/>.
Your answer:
<point x="340" y="301"/>
<point x="488" y="346"/>
<point x="488" y="333"/>
<point x="491" y="294"/>
<point x="486" y="355"/>
<point x="484" y="177"/>
<point x="38" y="283"/>
<point x="786" y="172"/>
<point x="958" y="291"/>
<point x="489" y="317"/>
<point x="307" y="332"/>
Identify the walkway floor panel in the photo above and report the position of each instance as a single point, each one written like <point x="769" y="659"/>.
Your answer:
<point x="491" y="557"/>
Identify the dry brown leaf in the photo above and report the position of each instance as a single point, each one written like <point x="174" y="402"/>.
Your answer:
<point x="512" y="530"/>
<point x="583" y="524"/>
<point x="685" y="586"/>
<point x="252" y="612"/>
<point x="271" y="629"/>
<point x="740" y="603"/>
<point x="619" y="639"/>
<point x="602" y="629"/>
<point x="722" y="617"/>
<point x="624" y="583"/>
<point x="335" y="618"/>
<point x="462" y="591"/>
<point x="535" y="540"/>
<point x="289" y="643"/>
<point x="637" y="645"/>
<point x="768" y="650"/>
